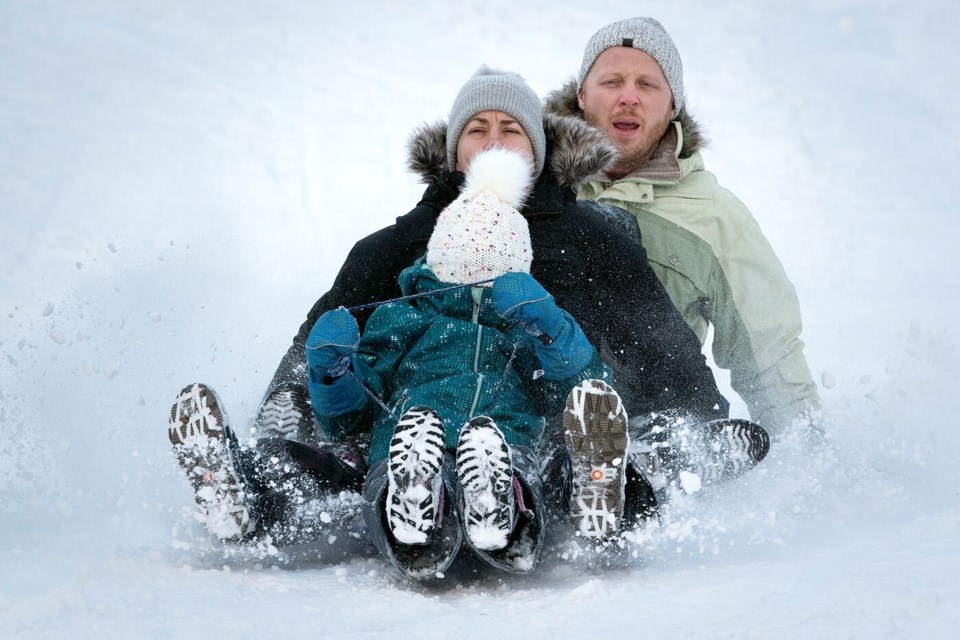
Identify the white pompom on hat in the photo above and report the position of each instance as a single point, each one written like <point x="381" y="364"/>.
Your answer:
<point x="482" y="235"/>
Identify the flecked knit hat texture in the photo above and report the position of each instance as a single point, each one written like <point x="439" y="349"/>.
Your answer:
<point x="495" y="90"/>
<point x="482" y="235"/>
<point x="645" y="34"/>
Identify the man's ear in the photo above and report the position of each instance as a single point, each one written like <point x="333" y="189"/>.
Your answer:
<point x="580" y="99"/>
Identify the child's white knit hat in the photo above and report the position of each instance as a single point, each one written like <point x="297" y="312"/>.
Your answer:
<point x="482" y="235"/>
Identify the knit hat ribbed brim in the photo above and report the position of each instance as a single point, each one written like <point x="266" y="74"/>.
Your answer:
<point x="494" y="90"/>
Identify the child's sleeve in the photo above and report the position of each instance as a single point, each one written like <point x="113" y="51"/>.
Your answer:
<point x="389" y="334"/>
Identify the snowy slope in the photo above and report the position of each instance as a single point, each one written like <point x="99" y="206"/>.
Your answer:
<point x="180" y="181"/>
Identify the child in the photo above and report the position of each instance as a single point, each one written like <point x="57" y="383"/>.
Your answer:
<point x="456" y="384"/>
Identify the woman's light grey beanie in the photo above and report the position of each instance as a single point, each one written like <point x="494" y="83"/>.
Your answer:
<point x="645" y="34"/>
<point x="495" y="90"/>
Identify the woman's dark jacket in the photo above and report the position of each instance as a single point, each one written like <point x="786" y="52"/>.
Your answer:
<point x="594" y="271"/>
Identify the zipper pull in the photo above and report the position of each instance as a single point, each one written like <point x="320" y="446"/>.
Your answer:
<point x="477" y="295"/>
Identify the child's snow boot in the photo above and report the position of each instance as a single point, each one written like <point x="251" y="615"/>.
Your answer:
<point x="415" y="487"/>
<point x="485" y="474"/>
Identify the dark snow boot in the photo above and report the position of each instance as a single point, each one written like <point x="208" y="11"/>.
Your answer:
<point x="286" y="412"/>
<point x="209" y="454"/>
<point x="673" y="450"/>
<point x="430" y="559"/>
<point x="525" y="540"/>
<point x="556" y="475"/>
<point x="595" y="425"/>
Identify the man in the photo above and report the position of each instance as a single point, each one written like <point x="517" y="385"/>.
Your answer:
<point x="701" y="241"/>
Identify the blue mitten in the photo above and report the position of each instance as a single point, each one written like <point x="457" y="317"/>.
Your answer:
<point x="561" y="345"/>
<point x="332" y="343"/>
<point x="330" y="349"/>
<point x="520" y="298"/>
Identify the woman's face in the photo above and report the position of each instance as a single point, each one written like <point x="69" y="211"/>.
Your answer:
<point x="489" y="129"/>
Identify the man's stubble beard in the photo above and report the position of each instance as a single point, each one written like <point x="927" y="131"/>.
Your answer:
<point x="631" y="161"/>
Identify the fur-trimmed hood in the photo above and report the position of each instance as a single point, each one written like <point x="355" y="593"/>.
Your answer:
<point x="576" y="151"/>
<point x="563" y="102"/>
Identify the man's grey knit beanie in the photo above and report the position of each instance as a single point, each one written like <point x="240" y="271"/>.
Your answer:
<point x="645" y="34"/>
<point x="494" y="90"/>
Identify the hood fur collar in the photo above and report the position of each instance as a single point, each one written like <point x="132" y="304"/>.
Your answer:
<point x="575" y="150"/>
<point x="563" y="102"/>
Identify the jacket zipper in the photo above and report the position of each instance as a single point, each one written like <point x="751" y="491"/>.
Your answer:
<point x="476" y="356"/>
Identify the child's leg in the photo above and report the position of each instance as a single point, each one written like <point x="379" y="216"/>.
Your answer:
<point x="499" y="494"/>
<point x="408" y="506"/>
<point x="413" y="561"/>
<point x="524" y="541"/>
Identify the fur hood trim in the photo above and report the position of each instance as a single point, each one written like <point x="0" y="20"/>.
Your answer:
<point x="575" y="150"/>
<point x="563" y="102"/>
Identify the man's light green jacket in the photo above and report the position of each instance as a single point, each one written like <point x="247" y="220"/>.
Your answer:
<point x="719" y="269"/>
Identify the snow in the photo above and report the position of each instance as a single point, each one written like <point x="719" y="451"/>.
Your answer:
<point x="180" y="181"/>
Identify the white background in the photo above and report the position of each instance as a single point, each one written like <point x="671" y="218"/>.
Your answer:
<point x="179" y="181"/>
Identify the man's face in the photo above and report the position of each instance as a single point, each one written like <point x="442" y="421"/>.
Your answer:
<point x="627" y="96"/>
<point x="489" y="129"/>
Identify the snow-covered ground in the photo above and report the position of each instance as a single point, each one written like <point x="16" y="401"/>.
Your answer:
<point x="179" y="181"/>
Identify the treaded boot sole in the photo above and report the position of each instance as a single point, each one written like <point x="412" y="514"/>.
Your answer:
<point x="200" y="435"/>
<point x="722" y="450"/>
<point x="413" y="476"/>
<point x="485" y="473"/>
<point x="286" y="413"/>
<point x="595" y="427"/>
